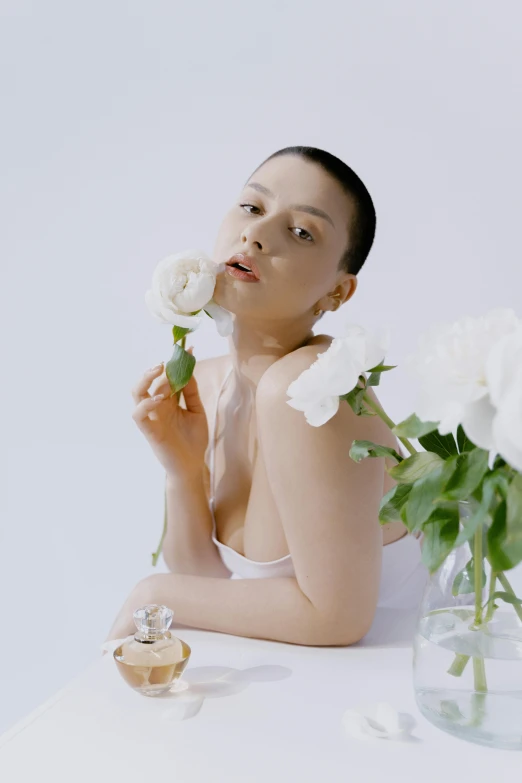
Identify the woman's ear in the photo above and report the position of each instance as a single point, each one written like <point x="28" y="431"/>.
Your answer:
<point x="347" y="286"/>
<point x="343" y="291"/>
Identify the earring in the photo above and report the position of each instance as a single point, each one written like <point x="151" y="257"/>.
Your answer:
<point x="318" y="311"/>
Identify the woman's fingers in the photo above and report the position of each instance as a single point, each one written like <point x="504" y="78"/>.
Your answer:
<point x="192" y="398"/>
<point x="161" y="386"/>
<point x="140" y="390"/>
<point x="141" y="412"/>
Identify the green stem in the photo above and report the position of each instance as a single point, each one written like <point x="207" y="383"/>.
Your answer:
<point x="491" y="604"/>
<point x="507" y="587"/>
<point x="479" y="671"/>
<point x="478" y="566"/>
<point x="156" y="554"/>
<point x="384" y="416"/>
<point x="459" y="664"/>
<point x="182" y="343"/>
<point x="479" y="675"/>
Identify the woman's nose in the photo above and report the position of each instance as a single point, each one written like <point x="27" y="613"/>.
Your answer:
<point x="254" y="236"/>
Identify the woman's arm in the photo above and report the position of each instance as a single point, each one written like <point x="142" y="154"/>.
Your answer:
<point x="273" y="609"/>
<point x="188" y="547"/>
<point x="328" y="506"/>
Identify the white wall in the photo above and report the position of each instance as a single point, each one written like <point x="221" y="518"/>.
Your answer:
<point x="127" y="129"/>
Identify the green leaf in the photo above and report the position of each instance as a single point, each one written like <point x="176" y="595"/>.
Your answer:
<point x="366" y="448"/>
<point x="425" y="493"/>
<point x="440" y="533"/>
<point x="178" y="332"/>
<point x="443" y="445"/>
<point x="463" y="442"/>
<point x="413" y="427"/>
<point x="507" y="597"/>
<point x="375" y="377"/>
<point x="392" y="503"/>
<point x="179" y="369"/>
<point x="502" y="554"/>
<point x="355" y="400"/>
<point x="382" y="367"/>
<point x="464" y="582"/>
<point x="514" y="511"/>
<point x="409" y="470"/>
<point x="470" y="470"/>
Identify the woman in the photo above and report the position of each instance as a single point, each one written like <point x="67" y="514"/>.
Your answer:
<point x="268" y="497"/>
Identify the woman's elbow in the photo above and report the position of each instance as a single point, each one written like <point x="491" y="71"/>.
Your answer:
<point x="340" y="631"/>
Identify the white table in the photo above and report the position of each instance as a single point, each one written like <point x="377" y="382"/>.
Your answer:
<point x="253" y="711"/>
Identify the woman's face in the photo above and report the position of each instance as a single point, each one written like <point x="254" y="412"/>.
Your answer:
<point x="292" y="218"/>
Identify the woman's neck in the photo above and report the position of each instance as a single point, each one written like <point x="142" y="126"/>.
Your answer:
<point x="255" y="346"/>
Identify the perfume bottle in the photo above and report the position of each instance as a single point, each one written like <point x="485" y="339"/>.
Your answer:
<point x="153" y="659"/>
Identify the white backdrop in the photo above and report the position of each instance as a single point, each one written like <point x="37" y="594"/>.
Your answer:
<point x="127" y="130"/>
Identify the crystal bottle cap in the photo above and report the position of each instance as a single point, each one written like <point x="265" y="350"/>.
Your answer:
<point x="153" y="618"/>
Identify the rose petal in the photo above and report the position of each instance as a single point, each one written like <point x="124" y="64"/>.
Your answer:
<point x="507" y="426"/>
<point x="377" y="720"/>
<point x="316" y="414"/>
<point x="477" y="423"/>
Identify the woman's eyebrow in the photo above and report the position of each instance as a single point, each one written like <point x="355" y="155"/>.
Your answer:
<point x="297" y="207"/>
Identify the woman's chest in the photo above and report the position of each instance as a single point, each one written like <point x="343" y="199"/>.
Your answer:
<point x="245" y="512"/>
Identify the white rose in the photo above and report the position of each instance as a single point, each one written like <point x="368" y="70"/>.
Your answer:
<point x="471" y="374"/>
<point x="182" y="285"/>
<point x="336" y="371"/>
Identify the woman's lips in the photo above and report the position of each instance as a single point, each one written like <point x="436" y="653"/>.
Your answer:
<point x="244" y="260"/>
<point x="241" y="274"/>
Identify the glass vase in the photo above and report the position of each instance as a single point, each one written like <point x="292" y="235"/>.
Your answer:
<point x="467" y="673"/>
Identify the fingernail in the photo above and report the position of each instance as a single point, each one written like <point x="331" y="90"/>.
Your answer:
<point x="152" y="369"/>
<point x="158" y="397"/>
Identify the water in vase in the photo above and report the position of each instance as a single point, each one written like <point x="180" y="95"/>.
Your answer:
<point x="451" y="659"/>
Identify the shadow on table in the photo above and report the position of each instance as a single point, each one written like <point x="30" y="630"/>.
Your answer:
<point x="213" y="682"/>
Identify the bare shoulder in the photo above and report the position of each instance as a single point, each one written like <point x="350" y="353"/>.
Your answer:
<point x="280" y="374"/>
<point x="272" y="398"/>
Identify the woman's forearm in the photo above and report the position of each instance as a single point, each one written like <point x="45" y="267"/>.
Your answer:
<point x="274" y="609"/>
<point x="188" y="547"/>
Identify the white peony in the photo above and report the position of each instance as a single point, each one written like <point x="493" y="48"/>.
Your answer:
<point x="471" y="374"/>
<point x="336" y="371"/>
<point x="182" y="285"/>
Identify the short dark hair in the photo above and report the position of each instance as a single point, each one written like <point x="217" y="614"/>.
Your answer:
<point x="362" y="229"/>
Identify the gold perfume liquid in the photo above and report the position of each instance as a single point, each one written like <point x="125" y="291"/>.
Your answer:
<point x="153" y="659"/>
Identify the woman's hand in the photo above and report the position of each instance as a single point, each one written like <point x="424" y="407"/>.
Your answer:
<point x="178" y="437"/>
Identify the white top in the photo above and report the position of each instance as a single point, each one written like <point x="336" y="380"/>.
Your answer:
<point x="403" y="576"/>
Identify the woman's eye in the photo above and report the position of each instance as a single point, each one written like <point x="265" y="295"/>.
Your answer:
<point x="304" y="235"/>
<point x="248" y="207"/>
<point x="253" y="210"/>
